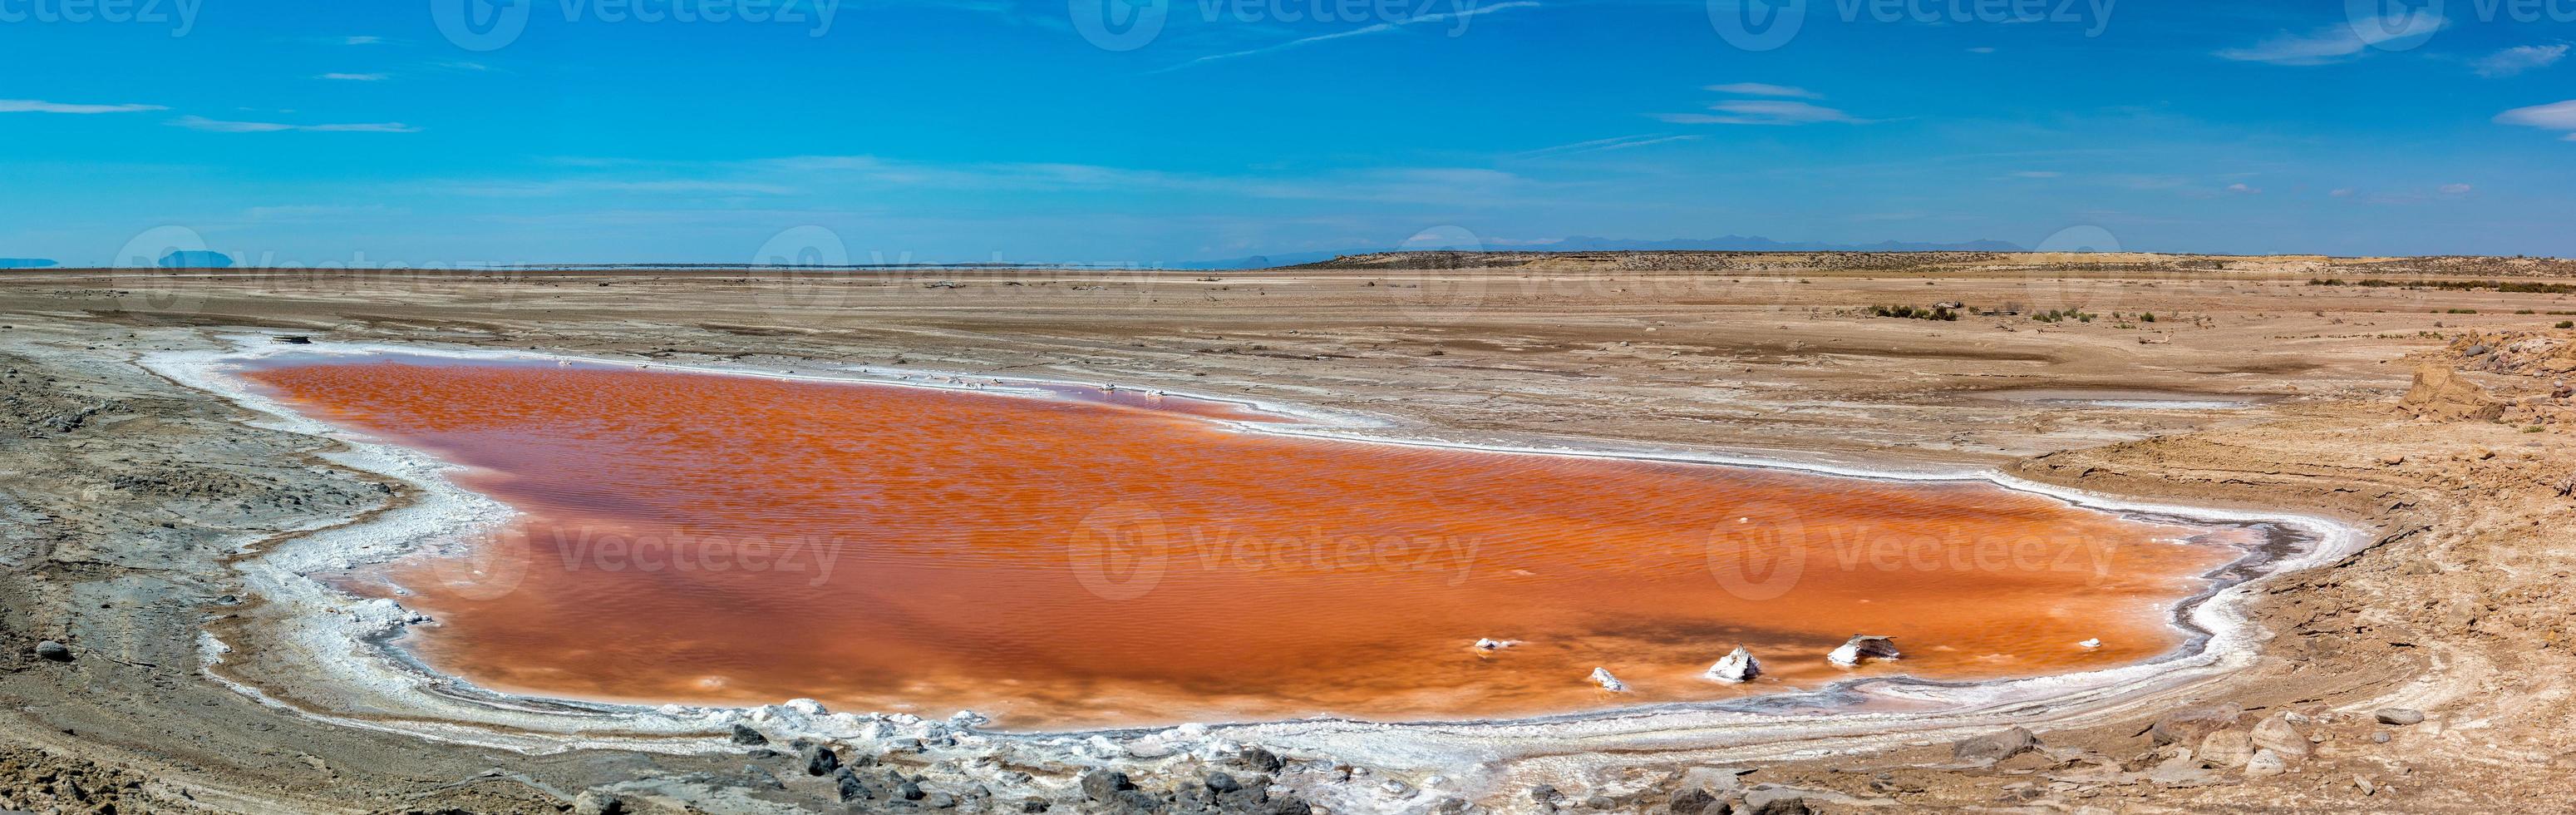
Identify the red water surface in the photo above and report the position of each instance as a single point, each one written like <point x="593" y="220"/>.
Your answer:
<point x="1056" y="563"/>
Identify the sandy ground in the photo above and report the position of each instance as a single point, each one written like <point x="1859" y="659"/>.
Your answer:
<point x="127" y="503"/>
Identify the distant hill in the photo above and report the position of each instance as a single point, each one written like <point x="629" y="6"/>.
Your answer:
<point x="1586" y="243"/>
<point x="196" y="259"/>
<point x="25" y="263"/>
<point x="1754" y="243"/>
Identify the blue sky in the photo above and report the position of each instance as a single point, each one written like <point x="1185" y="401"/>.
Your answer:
<point x="367" y="133"/>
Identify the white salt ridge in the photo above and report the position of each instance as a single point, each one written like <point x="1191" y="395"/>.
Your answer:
<point x="362" y="674"/>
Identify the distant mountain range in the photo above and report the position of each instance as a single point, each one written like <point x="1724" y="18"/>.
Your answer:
<point x="1586" y="243"/>
<point x="25" y="263"/>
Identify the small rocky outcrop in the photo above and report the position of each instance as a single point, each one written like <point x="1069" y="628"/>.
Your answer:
<point x="1738" y="666"/>
<point x="2400" y="716"/>
<point x="1863" y="646"/>
<point x="1994" y="747"/>
<point x="1602" y="677"/>
<point x="2442" y="394"/>
<point x="2188" y="726"/>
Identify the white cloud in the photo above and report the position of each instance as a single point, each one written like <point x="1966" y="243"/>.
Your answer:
<point x="2037" y="174"/>
<point x="363" y="39"/>
<point x="2341" y="192"/>
<point x="2456" y="189"/>
<point x="1763" y="112"/>
<point x="1374" y="28"/>
<point x="1982" y="50"/>
<point x="2341" y="41"/>
<point x="1764" y="89"/>
<point x="2520" y="58"/>
<point x="355" y="77"/>
<point x="1613" y="143"/>
<point x="2552" y="116"/>
<point x="2243" y="188"/>
<point x="221" y="126"/>
<point x="34" y="106"/>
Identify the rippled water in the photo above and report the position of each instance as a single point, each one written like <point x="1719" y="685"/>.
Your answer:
<point x="1063" y="562"/>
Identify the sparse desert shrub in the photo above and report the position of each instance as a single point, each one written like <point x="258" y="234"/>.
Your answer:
<point x="2567" y="324"/>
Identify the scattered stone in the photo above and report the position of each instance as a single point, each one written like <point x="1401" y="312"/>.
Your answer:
<point x="1601" y="802"/>
<point x="597" y="802"/>
<point x="1994" y="747"/>
<point x="1738" y="666"/>
<point x="1260" y="760"/>
<point x="1861" y="647"/>
<point x="1033" y="804"/>
<point x="2091" y="643"/>
<point x="2265" y="763"/>
<point x="939" y="800"/>
<point x="2279" y="735"/>
<point x="2190" y="725"/>
<point x="819" y="760"/>
<point x="2380" y="737"/>
<point x="1494" y="644"/>
<point x="850" y="787"/>
<point x="748" y="737"/>
<point x="1775" y="801"/>
<point x="1602" y="677"/>
<point x="1692" y="801"/>
<point x="2227" y="748"/>
<point x="1223" y="783"/>
<point x="1105" y="785"/>
<point x="55" y="651"/>
<point x="2400" y="716"/>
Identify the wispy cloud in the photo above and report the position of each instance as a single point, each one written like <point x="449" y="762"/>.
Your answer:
<point x="354" y="77"/>
<point x="2559" y="116"/>
<point x="35" y="106"/>
<point x="1766" y="89"/>
<point x="1613" y="143"/>
<point x="2518" y="59"/>
<point x="2037" y="174"/>
<point x="362" y="39"/>
<point x="1763" y="112"/>
<point x="1362" y="31"/>
<point x="2342" y="41"/>
<point x="222" y="126"/>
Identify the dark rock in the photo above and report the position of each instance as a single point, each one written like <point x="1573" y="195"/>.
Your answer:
<point x="748" y="737"/>
<point x="762" y="778"/>
<point x="1693" y="801"/>
<point x="850" y="787"/>
<point x="296" y="340"/>
<point x="1104" y="785"/>
<point x="819" y="760"/>
<point x="1033" y="804"/>
<point x="55" y="651"/>
<point x="2400" y="716"/>
<point x="1260" y="760"/>
<point x="1600" y="802"/>
<point x="1223" y="783"/>
<point x="1286" y="805"/>
<point x="910" y="791"/>
<point x="1994" y="747"/>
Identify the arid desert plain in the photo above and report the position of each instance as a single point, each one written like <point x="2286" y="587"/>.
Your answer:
<point x="198" y="616"/>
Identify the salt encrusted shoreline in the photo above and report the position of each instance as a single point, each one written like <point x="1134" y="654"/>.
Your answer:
<point x="344" y="640"/>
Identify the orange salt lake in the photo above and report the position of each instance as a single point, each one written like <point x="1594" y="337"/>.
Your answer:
<point x="1055" y="562"/>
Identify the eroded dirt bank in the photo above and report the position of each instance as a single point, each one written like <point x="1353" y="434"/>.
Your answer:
<point x="125" y="496"/>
